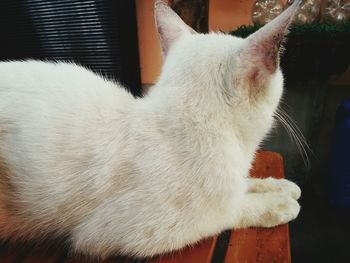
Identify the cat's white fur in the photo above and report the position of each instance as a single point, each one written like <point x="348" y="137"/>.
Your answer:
<point x="81" y="157"/>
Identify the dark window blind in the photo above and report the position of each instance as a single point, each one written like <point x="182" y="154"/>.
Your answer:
<point x="99" y="34"/>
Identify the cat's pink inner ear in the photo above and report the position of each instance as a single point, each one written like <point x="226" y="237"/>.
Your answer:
<point x="169" y="25"/>
<point x="265" y="44"/>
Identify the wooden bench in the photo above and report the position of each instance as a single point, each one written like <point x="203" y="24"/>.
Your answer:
<point x="247" y="245"/>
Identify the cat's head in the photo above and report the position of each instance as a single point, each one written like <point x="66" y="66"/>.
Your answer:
<point x="219" y="71"/>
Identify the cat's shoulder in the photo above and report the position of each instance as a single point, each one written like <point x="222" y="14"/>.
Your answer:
<point x="60" y="79"/>
<point x="45" y="66"/>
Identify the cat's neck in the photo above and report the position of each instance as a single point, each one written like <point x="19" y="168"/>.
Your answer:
<point x="175" y="108"/>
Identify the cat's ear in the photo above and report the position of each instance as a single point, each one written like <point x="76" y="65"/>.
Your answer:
<point x="169" y="25"/>
<point x="263" y="48"/>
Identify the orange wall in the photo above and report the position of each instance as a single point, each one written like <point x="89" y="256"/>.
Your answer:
<point x="224" y="15"/>
<point x="150" y="58"/>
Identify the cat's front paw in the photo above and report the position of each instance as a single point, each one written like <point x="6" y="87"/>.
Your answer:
<point x="280" y="209"/>
<point x="274" y="185"/>
<point x="290" y="188"/>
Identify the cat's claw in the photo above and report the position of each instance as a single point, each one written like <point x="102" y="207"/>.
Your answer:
<point x="281" y="210"/>
<point x="290" y="189"/>
<point x="274" y="185"/>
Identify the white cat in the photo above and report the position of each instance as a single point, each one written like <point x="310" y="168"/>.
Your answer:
<point x="81" y="157"/>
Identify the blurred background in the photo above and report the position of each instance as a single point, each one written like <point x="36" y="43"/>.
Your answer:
<point x="118" y="40"/>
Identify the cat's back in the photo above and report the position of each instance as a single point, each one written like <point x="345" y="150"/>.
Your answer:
<point x="57" y="83"/>
<point x="50" y="102"/>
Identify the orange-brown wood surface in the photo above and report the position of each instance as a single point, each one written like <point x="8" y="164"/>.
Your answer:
<point x="268" y="164"/>
<point x="245" y="246"/>
<point x="261" y="245"/>
<point x="200" y="253"/>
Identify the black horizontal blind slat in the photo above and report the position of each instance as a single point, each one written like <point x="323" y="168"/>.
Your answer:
<point x="100" y="34"/>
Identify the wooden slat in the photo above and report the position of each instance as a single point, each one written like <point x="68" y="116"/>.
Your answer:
<point x="42" y="254"/>
<point x="14" y="254"/>
<point x="268" y="164"/>
<point x="76" y="260"/>
<point x="9" y="255"/>
<point x="35" y="257"/>
<point x="261" y="245"/>
<point x="200" y="253"/>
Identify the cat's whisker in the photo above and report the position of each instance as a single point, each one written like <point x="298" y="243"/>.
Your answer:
<point x="293" y="137"/>
<point x="296" y="129"/>
<point x="295" y="134"/>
